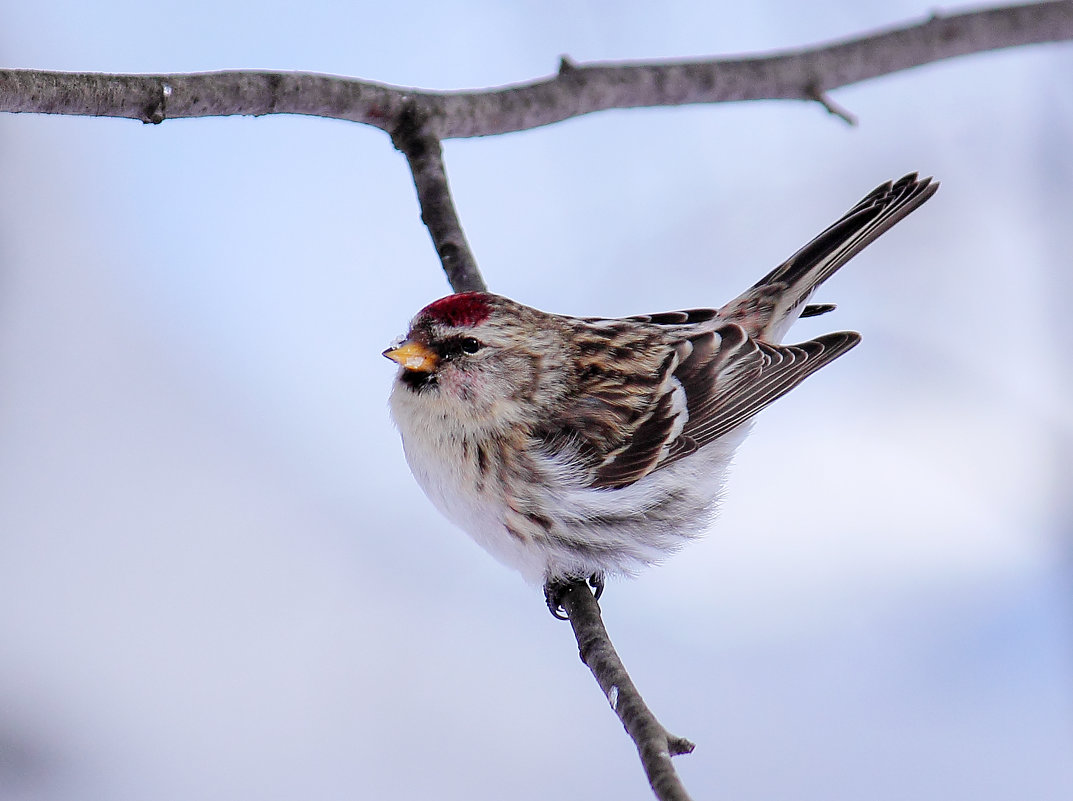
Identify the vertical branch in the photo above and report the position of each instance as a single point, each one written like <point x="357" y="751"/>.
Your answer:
<point x="655" y="744"/>
<point x="425" y="156"/>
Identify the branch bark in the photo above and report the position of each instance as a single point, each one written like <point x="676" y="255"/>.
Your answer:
<point x="802" y="74"/>
<point x="424" y="154"/>
<point x="655" y="745"/>
<point x="418" y="120"/>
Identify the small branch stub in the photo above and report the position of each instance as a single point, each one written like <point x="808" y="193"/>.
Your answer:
<point x="832" y="108"/>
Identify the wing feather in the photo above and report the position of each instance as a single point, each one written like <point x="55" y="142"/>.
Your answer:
<point x="726" y="378"/>
<point x="769" y="373"/>
<point x="682" y="388"/>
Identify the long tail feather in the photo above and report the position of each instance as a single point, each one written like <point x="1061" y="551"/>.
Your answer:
<point x="768" y="308"/>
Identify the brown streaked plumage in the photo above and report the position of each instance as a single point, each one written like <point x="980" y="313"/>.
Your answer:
<point x="571" y="447"/>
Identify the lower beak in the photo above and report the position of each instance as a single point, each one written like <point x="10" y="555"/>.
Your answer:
<point x="414" y="356"/>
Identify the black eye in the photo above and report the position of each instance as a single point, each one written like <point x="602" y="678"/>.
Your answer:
<point x="470" y="345"/>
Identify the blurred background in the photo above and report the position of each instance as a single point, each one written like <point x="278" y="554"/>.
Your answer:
<point x="218" y="579"/>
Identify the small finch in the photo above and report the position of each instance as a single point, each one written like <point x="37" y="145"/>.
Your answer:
<point x="571" y="448"/>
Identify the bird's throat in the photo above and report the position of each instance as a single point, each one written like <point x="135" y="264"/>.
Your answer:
<point x="417" y="381"/>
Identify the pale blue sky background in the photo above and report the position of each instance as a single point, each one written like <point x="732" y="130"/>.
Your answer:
<point x="217" y="577"/>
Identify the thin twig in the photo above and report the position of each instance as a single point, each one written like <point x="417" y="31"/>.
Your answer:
<point x="833" y="108"/>
<point x="655" y="744"/>
<point x="577" y="89"/>
<point x="425" y="156"/>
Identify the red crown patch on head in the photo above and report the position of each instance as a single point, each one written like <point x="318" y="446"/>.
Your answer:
<point x="467" y="308"/>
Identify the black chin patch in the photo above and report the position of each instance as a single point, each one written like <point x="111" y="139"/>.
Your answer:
<point x="418" y="381"/>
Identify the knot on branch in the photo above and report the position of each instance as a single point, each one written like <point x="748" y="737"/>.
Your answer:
<point x="450" y="256"/>
<point x="411" y="136"/>
<point x="273" y="83"/>
<point x="157" y="110"/>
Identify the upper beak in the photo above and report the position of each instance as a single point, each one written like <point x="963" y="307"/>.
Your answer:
<point x="414" y="356"/>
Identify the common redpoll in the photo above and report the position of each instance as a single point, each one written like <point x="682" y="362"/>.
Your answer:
<point x="571" y="447"/>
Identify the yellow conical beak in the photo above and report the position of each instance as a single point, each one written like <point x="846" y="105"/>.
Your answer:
<point x="414" y="356"/>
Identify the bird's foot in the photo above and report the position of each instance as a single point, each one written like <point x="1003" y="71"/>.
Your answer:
<point x="596" y="581"/>
<point x="555" y="590"/>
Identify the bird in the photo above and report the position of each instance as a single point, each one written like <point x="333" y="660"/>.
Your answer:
<point x="574" y="448"/>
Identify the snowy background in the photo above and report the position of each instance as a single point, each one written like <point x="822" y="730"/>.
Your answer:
<point x="217" y="577"/>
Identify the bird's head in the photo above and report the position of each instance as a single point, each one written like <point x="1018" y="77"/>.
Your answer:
<point x="479" y="359"/>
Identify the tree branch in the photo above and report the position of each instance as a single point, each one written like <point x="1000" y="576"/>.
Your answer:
<point x="425" y="156"/>
<point x="803" y="74"/>
<point x="655" y="744"/>
<point x="419" y="120"/>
